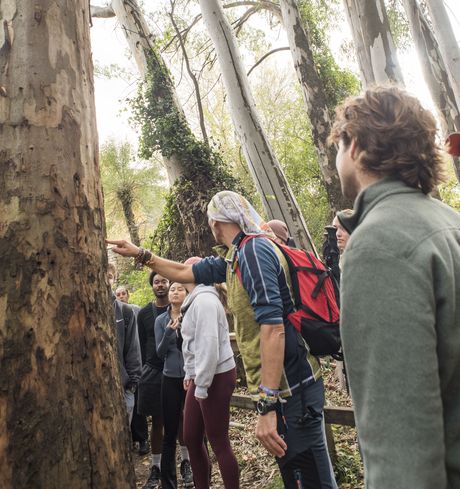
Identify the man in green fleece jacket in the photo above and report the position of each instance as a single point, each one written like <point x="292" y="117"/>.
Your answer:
<point x="400" y="293"/>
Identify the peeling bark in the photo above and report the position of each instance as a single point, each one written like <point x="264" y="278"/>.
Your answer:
<point x="448" y="44"/>
<point x="374" y="43"/>
<point x="277" y="197"/>
<point x="315" y="100"/>
<point x="434" y="71"/>
<point x="62" y="416"/>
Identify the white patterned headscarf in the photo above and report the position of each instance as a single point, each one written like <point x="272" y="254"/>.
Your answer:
<point x="227" y="206"/>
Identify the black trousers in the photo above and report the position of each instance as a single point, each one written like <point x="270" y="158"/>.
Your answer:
<point x="173" y="396"/>
<point x="139" y="428"/>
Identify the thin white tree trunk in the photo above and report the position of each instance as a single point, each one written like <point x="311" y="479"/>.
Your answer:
<point x="374" y="43"/>
<point x="435" y="72"/>
<point x="315" y="101"/>
<point x="448" y="44"/>
<point x="141" y="43"/>
<point x="277" y="197"/>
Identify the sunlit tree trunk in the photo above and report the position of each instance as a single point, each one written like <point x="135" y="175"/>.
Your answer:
<point x="63" y="422"/>
<point x="315" y="100"/>
<point x="277" y="197"/>
<point x="448" y="44"/>
<point x="373" y="41"/>
<point x="142" y="46"/>
<point x="434" y="71"/>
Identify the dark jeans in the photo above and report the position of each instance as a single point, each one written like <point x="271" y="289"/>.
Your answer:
<point x="211" y="416"/>
<point x="306" y="464"/>
<point x="173" y="396"/>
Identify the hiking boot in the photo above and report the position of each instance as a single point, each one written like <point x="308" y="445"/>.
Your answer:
<point x="144" y="447"/>
<point x="153" y="482"/>
<point x="186" y="473"/>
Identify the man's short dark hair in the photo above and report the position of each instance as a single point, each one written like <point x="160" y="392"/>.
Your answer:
<point x="395" y="136"/>
<point x="151" y="277"/>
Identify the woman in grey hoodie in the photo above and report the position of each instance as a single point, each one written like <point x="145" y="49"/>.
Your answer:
<point x="210" y="378"/>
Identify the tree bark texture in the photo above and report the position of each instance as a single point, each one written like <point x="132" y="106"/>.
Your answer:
<point x="315" y="100"/>
<point x="142" y="45"/>
<point x="448" y="44"/>
<point x="435" y="72"/>
<point x="277" y="197"/>
<point x="63" y="423"/>
<point x="374" y="43"/>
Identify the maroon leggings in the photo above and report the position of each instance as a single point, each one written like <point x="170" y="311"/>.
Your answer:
<point x="211" y="416"/>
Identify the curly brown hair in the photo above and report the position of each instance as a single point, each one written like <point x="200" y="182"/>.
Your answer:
<point x="395" y="136"/>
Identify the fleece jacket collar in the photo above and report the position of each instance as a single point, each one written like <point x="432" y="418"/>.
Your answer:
<point x="368" y="198"/>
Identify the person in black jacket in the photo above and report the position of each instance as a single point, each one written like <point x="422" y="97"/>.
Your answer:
<point x="129" y="354"/>
<point x="149" y="395"/>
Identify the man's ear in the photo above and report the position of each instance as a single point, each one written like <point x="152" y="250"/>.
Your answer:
<point x="354" y="149"/>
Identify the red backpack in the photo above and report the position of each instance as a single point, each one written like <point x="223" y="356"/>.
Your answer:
<point x="317" y="314"/>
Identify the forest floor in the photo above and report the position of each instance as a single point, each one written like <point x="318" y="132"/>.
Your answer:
<point x="258" y="469"/>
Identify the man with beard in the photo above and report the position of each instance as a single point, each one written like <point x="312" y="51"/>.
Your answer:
<point x="149" y="395"/>
<point x="400" y="314"/>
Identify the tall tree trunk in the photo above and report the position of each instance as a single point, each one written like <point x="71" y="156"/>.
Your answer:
<point x="197" y="170"/>
<point x="277" y="197"/>
<point x="126" y="199"/>
<point x="142" y="45"/>
<point x="63" y="422"/>
<point x="374" y="44"/>
<point x="434" y="71"/>
<point x="448" y="44"/>
<point x="315" y="100"/>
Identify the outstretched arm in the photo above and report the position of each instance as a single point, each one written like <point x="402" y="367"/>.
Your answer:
<point x="172" y="270"/>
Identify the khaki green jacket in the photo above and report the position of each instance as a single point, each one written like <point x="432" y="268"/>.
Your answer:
<point x="401" y="336"/>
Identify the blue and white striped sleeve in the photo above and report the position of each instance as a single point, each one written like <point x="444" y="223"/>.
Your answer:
<point x="210" y="270"/>
<point x="260" y="268"/>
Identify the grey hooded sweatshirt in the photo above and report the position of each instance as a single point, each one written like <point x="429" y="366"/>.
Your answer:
<point x="206" y="342"/>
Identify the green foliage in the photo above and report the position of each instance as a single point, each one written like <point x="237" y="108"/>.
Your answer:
<point x="399" y="24"/>
<point x="126" y="180"/>
<point x="284" y="117"/>
<point x="450" y="191"/>
<point x="338" y="83"/>
<point x="140" y="292"/>
<point x="164" y="128"/>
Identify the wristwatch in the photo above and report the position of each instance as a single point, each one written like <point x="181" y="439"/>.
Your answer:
<point x="264" y="406"/>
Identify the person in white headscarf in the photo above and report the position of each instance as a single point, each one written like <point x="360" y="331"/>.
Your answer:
<point x="282" y="376"/>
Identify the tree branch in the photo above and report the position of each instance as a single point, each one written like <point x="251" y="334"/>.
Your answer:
<point x="265" y="56"/>
<point x="102" y="12"/>
<point x="192" y="76"/>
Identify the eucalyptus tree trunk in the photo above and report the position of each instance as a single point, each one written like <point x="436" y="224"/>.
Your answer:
<point x="434" y="71"/>
<point x="374" y="43"/>
<point x="448" y="44"/>
<point x="277" y="197"/>
<point x="63" y="422"/>
<point x="141" y="43"/>
<point x="196" y="170"/>
<point x="315" y="100"/>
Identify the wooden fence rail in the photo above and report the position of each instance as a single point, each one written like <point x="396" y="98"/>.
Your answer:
<point x="342" y="416"/>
